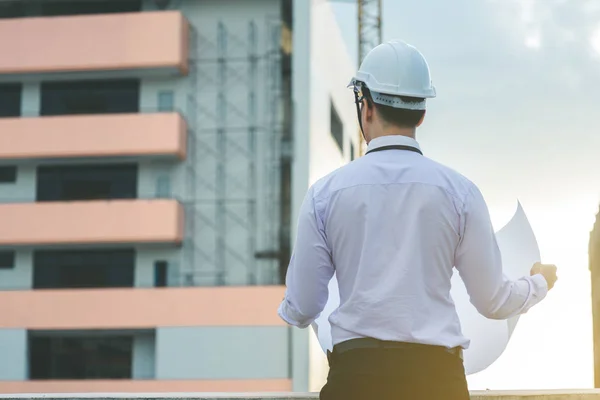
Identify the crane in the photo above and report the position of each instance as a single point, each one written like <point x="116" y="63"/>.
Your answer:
<point x="369" y="35"/>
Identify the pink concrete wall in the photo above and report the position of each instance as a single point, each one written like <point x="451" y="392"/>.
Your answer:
<point x="94" y="42"/>
<point x="147" y="386"/>
<point x="81" y="222"/>
<point x="93" y="136"/>
<point x="141" y="308"/>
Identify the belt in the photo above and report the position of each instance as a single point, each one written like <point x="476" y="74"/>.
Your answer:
<point x="369" y="343"/>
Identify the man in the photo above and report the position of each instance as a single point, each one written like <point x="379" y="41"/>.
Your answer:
<point x="392" y="225"/>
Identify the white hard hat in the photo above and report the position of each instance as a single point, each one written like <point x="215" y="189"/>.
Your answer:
<point x="396" y="69"/>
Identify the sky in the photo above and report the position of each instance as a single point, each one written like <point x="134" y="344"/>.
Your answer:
<point x="517" y="112"/>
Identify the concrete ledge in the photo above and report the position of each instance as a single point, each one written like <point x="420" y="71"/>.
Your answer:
<point x="586" y="394"/>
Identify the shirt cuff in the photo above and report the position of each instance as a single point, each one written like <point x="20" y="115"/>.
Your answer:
<point x="539" y="286"/>
<point x="538" y="289"/>
<point x="290" y="316"/>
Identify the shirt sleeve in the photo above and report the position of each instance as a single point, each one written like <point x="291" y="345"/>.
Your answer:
<point x="309" y="271"/>
<point x="479" y="263"/>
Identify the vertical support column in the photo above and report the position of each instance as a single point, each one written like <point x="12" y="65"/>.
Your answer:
<point x="299" y="354"/>
<point x="301" y="94"/>
<point x="31" y="99"/>
<point x="191" y="195"/>
<point x="144" y="358"/>
<point x="13" y="347"/>
<point x="21" y="276"/>
<point x="302" y="36"/>
<point x="252" y="185"/>
<point x="221" y="146"/>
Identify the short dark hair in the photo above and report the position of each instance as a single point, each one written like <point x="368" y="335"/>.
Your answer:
<point x="397" y="116"/>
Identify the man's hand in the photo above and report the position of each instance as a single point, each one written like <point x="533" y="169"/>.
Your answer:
<point x="548" y="271"/>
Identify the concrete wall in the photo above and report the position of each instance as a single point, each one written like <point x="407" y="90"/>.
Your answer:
<point x="222" y="353"/>
<point x="331" y="69"/>
<point x="322" y="61"/>
<point x="30" y="99"/>
<point x="21" y="276"/>
<point x="13" y="347"/>
<point x="144" y="356"/>
<point x="582" y="394"/>
<point x="23" y="190"/>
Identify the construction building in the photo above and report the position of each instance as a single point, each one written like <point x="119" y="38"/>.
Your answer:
<point x="153" y="157"/>
<point x="594" y="255"/>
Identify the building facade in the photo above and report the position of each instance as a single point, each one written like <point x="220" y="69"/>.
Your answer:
<point x="594" y="255"/>
<point x="153" y="156"/>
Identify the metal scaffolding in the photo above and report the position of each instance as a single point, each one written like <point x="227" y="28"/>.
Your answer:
<point x="233" y="171"/>
<point x="369" y="36"/>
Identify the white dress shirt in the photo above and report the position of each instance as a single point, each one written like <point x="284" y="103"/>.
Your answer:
<point x="392" y="225"/>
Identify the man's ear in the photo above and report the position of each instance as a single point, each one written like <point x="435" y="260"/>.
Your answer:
<point x="422" y="119"/>
<point x="370" y="109"/>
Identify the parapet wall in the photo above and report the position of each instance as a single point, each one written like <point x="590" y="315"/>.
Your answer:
<point x="591" y="394"/>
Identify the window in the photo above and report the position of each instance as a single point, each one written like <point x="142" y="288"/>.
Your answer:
<point x="10" y="100"/>
<point x="90" y="97"/>
<point x="166" y="101"/>
<point x="12" y="9"/>
<point x="77" y="7"/>
<point x="87" y="182"/>
<point x="8" y="174"/>
<point x="352" y="152"/>
<point x="65" y="355"/>
<point x="161" y="269"/>
<point x="36" y="8"/>
<point x="337" y="128"/>
<point x="7" y="259"/>
<point x="77" y="269"/>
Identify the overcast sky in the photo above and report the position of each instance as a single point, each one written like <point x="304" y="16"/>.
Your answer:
<point x="518" y="112"/>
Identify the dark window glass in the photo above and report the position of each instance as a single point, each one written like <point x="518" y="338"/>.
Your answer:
<point x="7" y="259"/>
<point x="8" y="174"/>
<point x="70" y="269"/>
<point x="160" y="273"/>
<point x="56" y="356"/>
<point x="10" y="100"/>
<point x="87" y="182"/>
<point x="36" y="8"/>
<point x="12" y="9"/>
<point x="90" y="97"/>
<point x="337" y="128"/>
<point x="77" y="7"/>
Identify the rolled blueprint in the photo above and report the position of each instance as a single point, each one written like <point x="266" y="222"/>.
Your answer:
<point x="489" y="338"/>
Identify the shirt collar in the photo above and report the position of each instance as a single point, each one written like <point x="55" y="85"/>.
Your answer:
<point x="392" y="140"/>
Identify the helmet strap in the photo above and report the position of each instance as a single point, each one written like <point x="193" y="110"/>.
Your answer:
<point x="359" y="114"/>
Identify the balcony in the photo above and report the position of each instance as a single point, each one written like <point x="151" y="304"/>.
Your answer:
<point x="91" y="222"/>
<point x="109" y="135"/>
<point x="148" y="41"/>
<point x="140" y="308"/>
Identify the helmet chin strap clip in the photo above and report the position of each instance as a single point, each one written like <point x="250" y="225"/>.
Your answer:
<point x="358" y="101"/>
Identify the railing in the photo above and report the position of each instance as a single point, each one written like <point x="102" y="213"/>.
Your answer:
<point x="587" y="394"/>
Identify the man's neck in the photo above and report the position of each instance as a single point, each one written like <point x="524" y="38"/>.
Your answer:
<point x="408" y="132"/>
